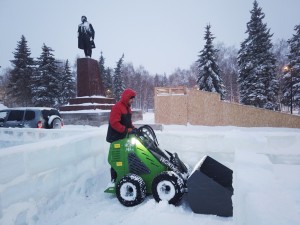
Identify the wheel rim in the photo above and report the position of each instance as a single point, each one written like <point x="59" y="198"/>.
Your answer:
<point x="166" y="190"/>
<point x="128" y="191"/>
<point x="56" y="124"/>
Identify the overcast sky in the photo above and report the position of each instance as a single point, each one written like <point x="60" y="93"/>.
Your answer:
<point x="160" y="35"/>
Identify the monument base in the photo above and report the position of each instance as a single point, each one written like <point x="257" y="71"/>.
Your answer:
<point x="93" y="117"/>
<point x="86" y="103"/>
<point x="93" y="111"/>
<point x="90" y="107"/>
<point x="89" y="78"/>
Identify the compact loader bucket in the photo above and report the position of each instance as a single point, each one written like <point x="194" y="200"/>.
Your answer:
<point x="210" y="188"/>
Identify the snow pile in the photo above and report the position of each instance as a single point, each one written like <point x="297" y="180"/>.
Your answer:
<point x="61" y="180"/>
<point x="2" y="106"/>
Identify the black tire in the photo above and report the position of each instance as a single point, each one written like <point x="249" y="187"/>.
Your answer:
<point x="131" y="190"/>
<point x="168" y="186"/>
<point x="56" y="124"/>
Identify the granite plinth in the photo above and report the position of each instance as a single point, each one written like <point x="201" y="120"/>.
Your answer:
<point x="87" y="103"/>
<point x="92" y="100"/>
<point x="94" y="117"/>
<point x="89" y="80"/>
<point x="90" y="107"/>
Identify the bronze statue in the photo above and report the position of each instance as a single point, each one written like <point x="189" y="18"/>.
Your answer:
<point x="86" y="36"/>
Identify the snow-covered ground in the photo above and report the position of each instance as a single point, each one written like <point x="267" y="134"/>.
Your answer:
<point x="265" y="162"/>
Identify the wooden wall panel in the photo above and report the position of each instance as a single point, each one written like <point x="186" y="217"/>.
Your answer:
<point x="182" y="106"/>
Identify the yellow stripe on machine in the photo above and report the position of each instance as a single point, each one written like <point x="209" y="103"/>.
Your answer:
<point x="117" y="146"/>
<point x="119" y="163"/>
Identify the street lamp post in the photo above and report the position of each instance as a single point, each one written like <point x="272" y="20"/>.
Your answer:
<point x="291" y="91"/>
<point x="288" y="69"/>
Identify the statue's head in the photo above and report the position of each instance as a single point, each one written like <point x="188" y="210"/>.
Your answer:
<point x="83" y="19"/>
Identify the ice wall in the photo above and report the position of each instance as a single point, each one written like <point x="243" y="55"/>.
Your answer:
<point x="42" y="175"/>
<point x="39" y="175"/>
<point x="265" y="164"/>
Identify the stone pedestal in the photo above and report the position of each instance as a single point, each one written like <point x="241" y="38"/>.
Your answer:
<point x="87" y="103"/>
<point x="90" y="91"/>
<point x="89" y="80"/>
<point x="90" y="97"/>
<point x="95" y="117"/>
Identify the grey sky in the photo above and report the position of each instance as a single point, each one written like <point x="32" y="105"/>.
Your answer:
<point x="160" y="35"/>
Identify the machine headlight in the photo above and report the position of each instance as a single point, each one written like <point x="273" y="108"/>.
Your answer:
<point x="134" y="141"/>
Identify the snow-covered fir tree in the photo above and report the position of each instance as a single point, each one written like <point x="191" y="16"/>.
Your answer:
<point x="67" y="84"/>
<point x="101" y="64"/>
<point x="109" y="82"/>
<point x="20" y="77"/>
<point x="106" y="76"/>
<point x="291" y="78"/>
<point x="209" y="78"/>
<point x="47" y="80"/>
<point x="257" y="77"/>
<point x="102" y="70"/>
<point x="118" y="83"/>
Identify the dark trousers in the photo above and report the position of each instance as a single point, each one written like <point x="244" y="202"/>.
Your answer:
<point x="88" y="52"/>
<point x="113" y="174"/>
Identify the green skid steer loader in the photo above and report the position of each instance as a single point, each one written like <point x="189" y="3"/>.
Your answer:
<point x="142" y="169"/>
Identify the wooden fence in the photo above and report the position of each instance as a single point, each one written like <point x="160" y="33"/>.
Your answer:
<point x="182" y="106"/>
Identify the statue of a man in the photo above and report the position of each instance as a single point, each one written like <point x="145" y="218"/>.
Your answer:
<point x="86" y="36"/>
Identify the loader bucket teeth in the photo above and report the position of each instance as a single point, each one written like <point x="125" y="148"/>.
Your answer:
<point x="210" y="188"/>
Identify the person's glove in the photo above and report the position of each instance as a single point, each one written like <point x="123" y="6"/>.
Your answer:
<point x="132" y="130"/>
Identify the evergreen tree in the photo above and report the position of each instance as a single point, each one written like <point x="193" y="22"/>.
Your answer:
<point x="67" y="84"/>
<point x="20" y="78"/>
<point x="103" y="75"/>
<point x="209" y="78"/>
<point x="118" y="84"/>
<point x="291" y="79"/>
<point x="47" y="80"/>
<point x="257" y="77"/>
<point x="109" y="82"/>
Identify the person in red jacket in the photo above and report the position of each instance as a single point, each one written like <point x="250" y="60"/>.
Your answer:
<point x="120" y="122"/>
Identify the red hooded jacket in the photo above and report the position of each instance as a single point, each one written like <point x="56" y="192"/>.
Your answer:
<point x="120" y="117"/>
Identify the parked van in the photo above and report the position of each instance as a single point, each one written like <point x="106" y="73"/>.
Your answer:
<point x="31" y="117"/>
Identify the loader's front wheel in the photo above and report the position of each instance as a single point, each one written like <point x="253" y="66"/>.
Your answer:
<point x="131" y="190"/>
<point x="168" y="186"/>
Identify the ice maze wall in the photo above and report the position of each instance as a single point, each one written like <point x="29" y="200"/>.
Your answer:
<point x="36" y="172"/>
<point x="53" y="165"/>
